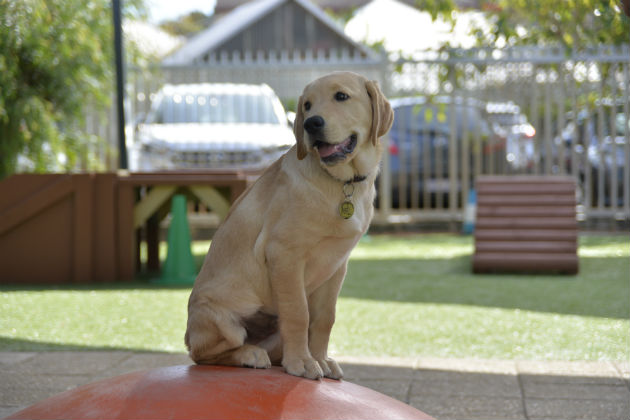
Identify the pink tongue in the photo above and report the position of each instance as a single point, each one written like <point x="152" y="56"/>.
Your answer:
<point x="326" y="149"/>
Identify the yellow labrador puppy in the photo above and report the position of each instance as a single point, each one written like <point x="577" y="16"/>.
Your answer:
<point x="268" y="287"/>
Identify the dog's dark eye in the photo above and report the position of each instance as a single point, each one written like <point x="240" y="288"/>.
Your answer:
<point x="307" y="106"/>
<point x="340" y="96"/>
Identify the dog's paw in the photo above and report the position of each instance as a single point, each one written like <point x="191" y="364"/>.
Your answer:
<point x="306" y="367"/>
<point x="330" y="368"/>
<point x="252" y="356"/>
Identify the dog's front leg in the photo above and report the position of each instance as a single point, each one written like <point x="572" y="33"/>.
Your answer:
<point x="287" y="283"/>
<point x="321" y="308"/>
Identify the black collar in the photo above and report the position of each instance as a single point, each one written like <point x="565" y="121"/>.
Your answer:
<point x="357" y="178"/>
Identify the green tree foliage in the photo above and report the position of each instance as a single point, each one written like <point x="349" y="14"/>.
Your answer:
<point x="56" y="59"/>
<point x="187" y="25"/>
<point x="572" y="23"/>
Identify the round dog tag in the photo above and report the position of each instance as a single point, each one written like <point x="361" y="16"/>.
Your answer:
<point x="346" y="209"/>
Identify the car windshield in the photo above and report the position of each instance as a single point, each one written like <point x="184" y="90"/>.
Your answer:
<point x="436" y="118"/>
<point x="216" y="109"/>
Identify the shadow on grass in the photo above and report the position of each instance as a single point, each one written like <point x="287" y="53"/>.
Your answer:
<point x="141" y="282"/>
<point x="19" y="344"/>
<point x="144" y="280"/>
<point x="600" y="289"/>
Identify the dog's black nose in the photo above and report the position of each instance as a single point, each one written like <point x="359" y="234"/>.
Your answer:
<point x="314" y="124"/>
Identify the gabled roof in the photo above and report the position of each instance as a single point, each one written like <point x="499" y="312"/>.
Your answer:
<point x="223" y="6"/>
<point x="241" y="18"/>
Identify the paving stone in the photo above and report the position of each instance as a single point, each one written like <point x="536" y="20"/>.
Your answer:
<point x="56" y="382"/>
<point x="507" y="367"/>
<point x="72" y="362"/>
<point x="394" y="388"/>
<point x="571" y="379"/>
<point x="6" y="410"/>
<point x="443" y="388"/>
<point x="577" y="409"/>
<point x="26" y="390"/>
<point x="144" y="361"/>
<point x="433" y="382"/>
<point x="605" y="390"/>
<point x="354" y="371"/>
<point x="409" y="362"/>
<point x="469" y="407"/>
<point x="565" y="368"/>
<point x="8" y="359"/>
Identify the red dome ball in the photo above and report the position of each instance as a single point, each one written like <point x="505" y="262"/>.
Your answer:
<point x="217" y="392"/>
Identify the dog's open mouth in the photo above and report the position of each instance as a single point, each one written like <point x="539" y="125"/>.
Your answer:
<point x="331" y="153"/>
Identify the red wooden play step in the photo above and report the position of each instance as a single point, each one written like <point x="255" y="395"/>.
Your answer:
<point x="526" y="224"/>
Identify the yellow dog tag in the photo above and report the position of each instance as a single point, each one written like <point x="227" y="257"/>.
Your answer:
<point x="346" y="209"/>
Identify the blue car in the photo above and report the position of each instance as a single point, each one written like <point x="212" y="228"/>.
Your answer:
<point x="419" y="147"/>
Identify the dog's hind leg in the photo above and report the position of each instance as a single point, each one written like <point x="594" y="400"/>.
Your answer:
<point x="214" y="338"/>
<point x="247" y="355"/>
<point x="273" y="346"/>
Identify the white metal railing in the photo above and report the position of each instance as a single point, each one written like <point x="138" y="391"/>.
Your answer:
<point x="572" y="99"/>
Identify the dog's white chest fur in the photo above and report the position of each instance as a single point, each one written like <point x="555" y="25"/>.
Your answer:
<point x="330" y="252"/>
<point x="324" y="260"/>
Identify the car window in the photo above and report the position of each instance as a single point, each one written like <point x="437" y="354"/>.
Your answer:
<point x="436" y="118"/>
<point x="417" y="118"/>
<point x="219" y="108"/>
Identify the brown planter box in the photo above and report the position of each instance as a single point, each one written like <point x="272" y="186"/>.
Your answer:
<point x="81" y="228"/>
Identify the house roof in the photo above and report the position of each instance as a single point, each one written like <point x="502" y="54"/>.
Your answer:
<point x="223" y="6"/>
<point x="241" y="18"/>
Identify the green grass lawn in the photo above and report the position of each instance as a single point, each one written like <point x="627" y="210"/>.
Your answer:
<point x="404" y="296"/>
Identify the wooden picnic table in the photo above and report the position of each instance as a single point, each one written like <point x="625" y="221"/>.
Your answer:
<point x="148" y="195"/>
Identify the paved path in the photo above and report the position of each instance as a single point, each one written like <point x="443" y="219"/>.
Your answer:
<point x="443" y="388"/>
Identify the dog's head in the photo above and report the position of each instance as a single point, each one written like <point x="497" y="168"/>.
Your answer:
<point x="339" y="120"/>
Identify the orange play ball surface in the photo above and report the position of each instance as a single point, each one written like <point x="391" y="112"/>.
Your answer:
<point x="217" y="392"/>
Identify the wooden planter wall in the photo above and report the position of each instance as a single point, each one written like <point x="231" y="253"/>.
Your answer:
<point x="81" y="228"/>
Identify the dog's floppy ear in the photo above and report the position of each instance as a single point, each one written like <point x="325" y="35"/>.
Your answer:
<point x="298" y="130"/>
<point x="382" y="114"/>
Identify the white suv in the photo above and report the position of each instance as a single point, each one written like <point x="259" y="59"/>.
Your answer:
<point x="212" y="126"/>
